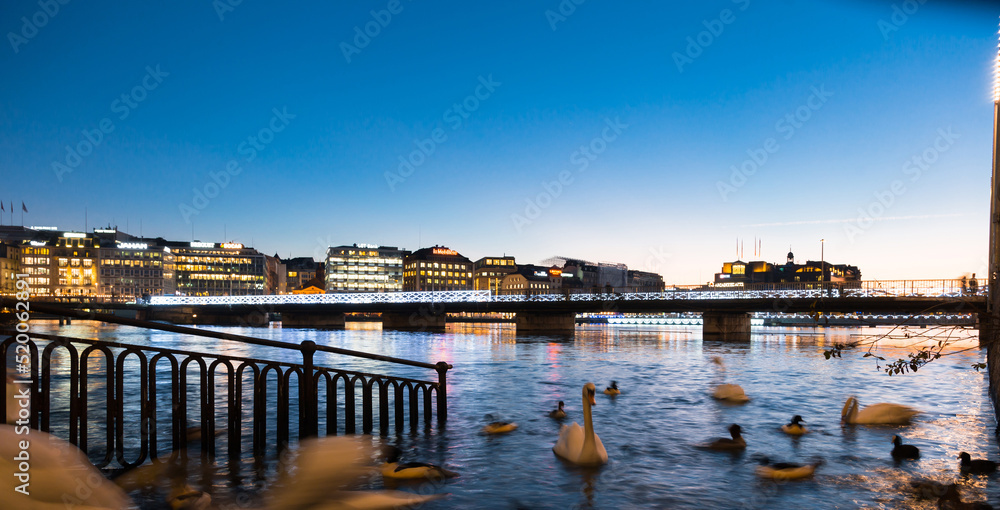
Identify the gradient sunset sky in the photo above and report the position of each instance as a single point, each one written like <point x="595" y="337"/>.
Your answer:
<point x="875" y="118"/>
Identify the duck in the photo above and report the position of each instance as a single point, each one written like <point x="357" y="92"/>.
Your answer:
<point x="785" y="470"/>
<point x="876" y="414"/>
<point x="581" y="445"/>
<point x="558" y="413"/>
<point x="500" y="427"/>
<point x="185" y="497"/>
<point x="794" y="427"/>
<point x="613" y="389"/>
<point x="904" y="451"/>
<point x="412" y="470"/>
<point x="976" y="466"/>
<point x="724" y="443"/>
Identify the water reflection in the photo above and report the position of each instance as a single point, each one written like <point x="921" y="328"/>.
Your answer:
<point x="652" y="430"/>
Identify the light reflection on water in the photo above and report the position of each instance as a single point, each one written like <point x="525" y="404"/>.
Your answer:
<point x="652" y="430"/>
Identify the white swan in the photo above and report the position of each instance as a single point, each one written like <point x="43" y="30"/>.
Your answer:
<point x="580" y="445"/>
<point x="732" y="393"/>
<point x="876" y="414"/>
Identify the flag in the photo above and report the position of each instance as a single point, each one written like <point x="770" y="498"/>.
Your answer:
<point x="23" y="208"/>
<point x="1" y="207"/>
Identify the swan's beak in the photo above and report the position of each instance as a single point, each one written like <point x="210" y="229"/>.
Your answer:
<point x="590" y="395"/>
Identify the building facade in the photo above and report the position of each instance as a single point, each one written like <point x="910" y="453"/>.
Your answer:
<point x="531" y="280"/>
<point x="364" y="268"/>
<point x="738" y="273"/>
<point x="643" y="281"/>
<point x="488" y="272"/>
<point x="217" y="269"/>
<point x="10" y="267"/>
<point x="437" y="268"/>
<point x="299" y="271"/>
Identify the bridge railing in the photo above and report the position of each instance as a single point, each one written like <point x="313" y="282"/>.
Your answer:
<point x="113" y="399"/>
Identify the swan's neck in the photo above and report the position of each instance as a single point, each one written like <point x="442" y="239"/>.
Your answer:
<point x="589" y="445"/>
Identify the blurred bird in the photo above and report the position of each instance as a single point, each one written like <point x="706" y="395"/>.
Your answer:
<point x="786" y="470"/>
<point x="976" y="466"/>
<point x="735" y="443"/>
<point x="952" y="500"/>
<point x="730" y="393"/>
<point x="411" y="470"/>
<point x="904" y="451"/>
<point x="876" y="414"/>
<point x="559" y="413"/>
<point x="794" y="427"/>
<point x="613" y="389"/>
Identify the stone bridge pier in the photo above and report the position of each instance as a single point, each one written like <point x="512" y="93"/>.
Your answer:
<point x="726" y="326"/>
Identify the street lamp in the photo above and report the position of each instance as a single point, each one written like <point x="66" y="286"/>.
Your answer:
<point x="822" y="260"/>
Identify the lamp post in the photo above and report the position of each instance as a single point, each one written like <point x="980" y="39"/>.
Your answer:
<point x="822" y="260"/>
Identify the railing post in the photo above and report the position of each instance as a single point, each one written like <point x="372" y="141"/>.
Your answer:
<point x="442" y="391"/>
<point x="308" y="406"/>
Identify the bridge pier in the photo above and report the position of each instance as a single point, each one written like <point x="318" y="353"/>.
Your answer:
<point x="726" y="326"/>
<point x="312" y="320"/>
<point x="413" y="321"/>
<point x="191" y="315"/>
<point x="545" y="322"/>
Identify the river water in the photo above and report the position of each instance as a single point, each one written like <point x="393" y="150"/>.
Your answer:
<point x="653" y="430"/>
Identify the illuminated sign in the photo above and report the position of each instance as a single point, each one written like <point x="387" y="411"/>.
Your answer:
<point x="368" y="246"/>
<point x="555" y="271"/>
<point x="42" y="228"/>
<point x="77" y="235"/>
<point x="105" y="231"/>
<point x="443" y="251"/>
<point x="541" y="273"/>
<point x="198" y="244"/>
<point x="38" y="243"/>
<point x="726" y="284"/>
<point x="567" y="275"/>
<point x="232" y="246"/>
<point x="133" y="246"/>
<point x="166" y="249"/>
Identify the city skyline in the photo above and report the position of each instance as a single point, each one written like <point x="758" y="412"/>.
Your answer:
<point x="653" y="137"/>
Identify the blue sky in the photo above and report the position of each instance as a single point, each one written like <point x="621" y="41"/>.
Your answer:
<point x="598" y="130"/>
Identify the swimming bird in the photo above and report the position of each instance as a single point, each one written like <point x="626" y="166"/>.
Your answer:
<point x="580" y="445"/>
<point x="735" y="443"/>
<point x="500" y="427"/>
<point x="730" y="393"/>
<point x="904" y="451"/>
<point x="976" y="466"/>
<point x="794" y="427"/>
<point x="558" y="413"/>
<point x="412" y="470"/>
<point x="786" y="470"/>
<point x="876" y="414"/>
<point x="613" y="389"/>
<point x="185" y="497"/>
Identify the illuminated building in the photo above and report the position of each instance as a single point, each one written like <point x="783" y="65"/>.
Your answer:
<point x="592" y="276"/>
<point x="737" y="273"/>
<point x="489" y="271"/>
<point x="364" y="268"/>
<point x="72" y="260"/>
<point x="217" y="269"/>
<point x="530" y="280"/>
<point x="436" y="268"/>
<point x="132" y="268"/>
<point x="10" y="266"/>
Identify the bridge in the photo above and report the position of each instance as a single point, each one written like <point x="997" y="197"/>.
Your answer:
<point x="725" y="310"/>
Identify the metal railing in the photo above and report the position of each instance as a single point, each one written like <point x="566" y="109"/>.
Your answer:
<point x="156" y="380"/>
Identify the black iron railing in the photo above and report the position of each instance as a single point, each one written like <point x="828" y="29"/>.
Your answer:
<point x="146" y="383"/>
